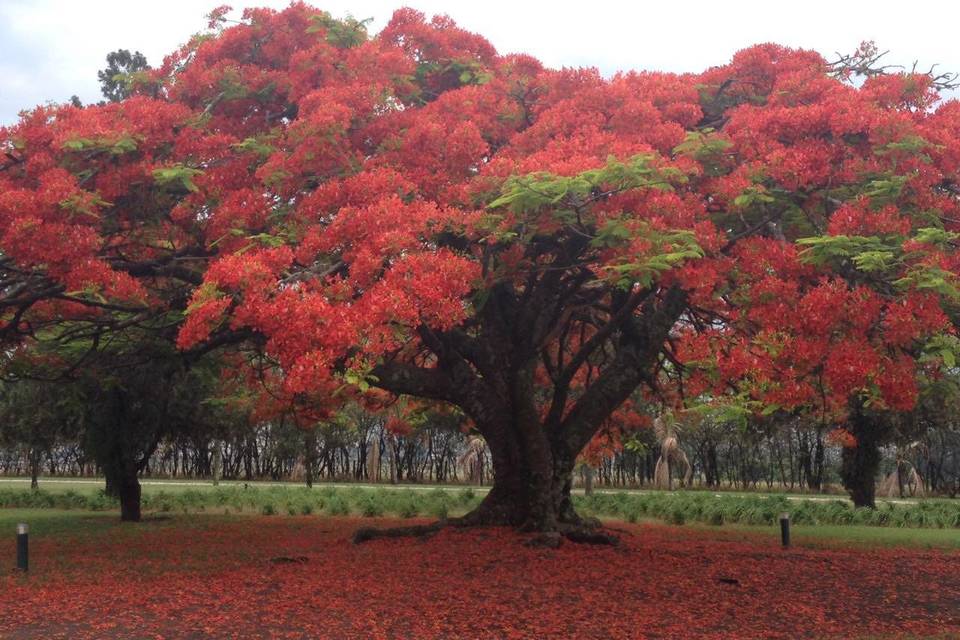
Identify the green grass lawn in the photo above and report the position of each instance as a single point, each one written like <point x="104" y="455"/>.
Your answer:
<point x="677" y="507"/>
<point x="831" y="536"/>
<point x="58" y="523"/>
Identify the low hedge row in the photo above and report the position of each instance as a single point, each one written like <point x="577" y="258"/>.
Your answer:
<point x="676" y="507"/>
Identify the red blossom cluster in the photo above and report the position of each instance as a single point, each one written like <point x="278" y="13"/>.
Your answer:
<point x="331" y="192"/>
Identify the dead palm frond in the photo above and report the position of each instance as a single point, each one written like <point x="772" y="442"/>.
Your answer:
<point x="470" y="461"/>
<point x="896" y="484"/>
<point x="671" y="455"/>
<point x="904" y="477"/>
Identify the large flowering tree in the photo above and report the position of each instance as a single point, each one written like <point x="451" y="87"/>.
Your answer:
<point x="415" y="213"/>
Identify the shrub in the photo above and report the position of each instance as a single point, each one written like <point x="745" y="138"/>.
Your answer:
<point x="371" y="506"/>
<point x="438" y="510"/>
<point x="408" y="509"/>
<point x="337" y="506"/>
<point x="677" y="516"/>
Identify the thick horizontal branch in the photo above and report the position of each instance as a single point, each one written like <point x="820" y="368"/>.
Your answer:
<point x="407" y="379"/>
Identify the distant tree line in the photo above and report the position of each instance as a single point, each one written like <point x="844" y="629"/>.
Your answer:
<point x="46" y="430"/>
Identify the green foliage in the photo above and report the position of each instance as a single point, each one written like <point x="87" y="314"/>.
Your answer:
<point x="337" y="506"/>
<point x="734" y="410"/>
<point x="707" y="148"/>
<point x="752" y="196"/>
<point x="886" y="190"/>
<point x="683" y="507"/>
<point x="912" y="146"/>
<point x="344" y="34"/>
<point x="884" y="257"/>
<point x="371" y="505"/>
<point x="535" y="191"/>
<point x="255" y="145"/>
<point x="946" y="347"/>
<point x="823" y="250"/>
<point x="177" y="176"/>
<point x="565" y="200"/>
<point x="929" y="277"/>
<point x="674" y="507"/>
<point x="675" y="248"/>
<point x="103" y="144"/>
<point x="935" y="236"/>
<point x="123" y="71"/>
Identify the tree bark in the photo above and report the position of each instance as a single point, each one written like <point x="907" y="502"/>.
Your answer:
<point x="816" y="480"/>
<point x="534" y="440"/>
<point x="861" y="462"/>
<point x="531" y="493"/>
<point x="711" y="467"/>
<point x="217" y="464"/>
<point x="310" y="456"/>
<point x="34" y="468"/>
<point x="129" y="493"/>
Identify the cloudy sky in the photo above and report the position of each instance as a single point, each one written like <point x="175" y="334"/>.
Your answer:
<point x="52" y="49"/>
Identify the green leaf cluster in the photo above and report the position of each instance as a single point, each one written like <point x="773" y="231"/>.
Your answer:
<point x="943" y="346"/>
<point x="866" y="253"/>
<point x="177" y="176"/>
<point x="885" y="190"/>
<point x="535" y="191"/>
<point x="255" y="145"/>
<point x="928" y="277"/>
<point x="913" y="146"/>
<point x="647" y="269"/>
<point x="343" y="34"/>
<point x="707" y="148"/>
<point x="112" y="146"/>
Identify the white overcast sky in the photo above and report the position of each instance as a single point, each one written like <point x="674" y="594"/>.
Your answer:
<point x="52" y="49"/>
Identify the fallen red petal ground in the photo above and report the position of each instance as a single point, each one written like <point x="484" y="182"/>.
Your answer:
<point x="217" y="579"/>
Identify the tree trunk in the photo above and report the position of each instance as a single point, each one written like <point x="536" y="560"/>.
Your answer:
<point x="861" y="462"/>
<point x="711" y="467"/>
<point x="531" y="492"/>
<point x="217" y="464"/>
<point x="129" y="493"/>
<point x="310" y="456"/>
<point x="816" y="481"/>
<point x="34" y="457"/>
<point x="392" y="450"/>
<point x="248" y="458"/>
<point x="110" y="486"/>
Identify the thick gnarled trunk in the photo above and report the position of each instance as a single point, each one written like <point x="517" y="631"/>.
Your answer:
<point x="535" y="431"/>
<point x="532" y="480"/>
<point x="517" y="500"/>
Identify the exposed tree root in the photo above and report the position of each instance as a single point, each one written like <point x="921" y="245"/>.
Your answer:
<point x="547" y="539"/>
<point x="584" y="531"/>
<point x="589" y="535"/>
<point x="365" y="534"/>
